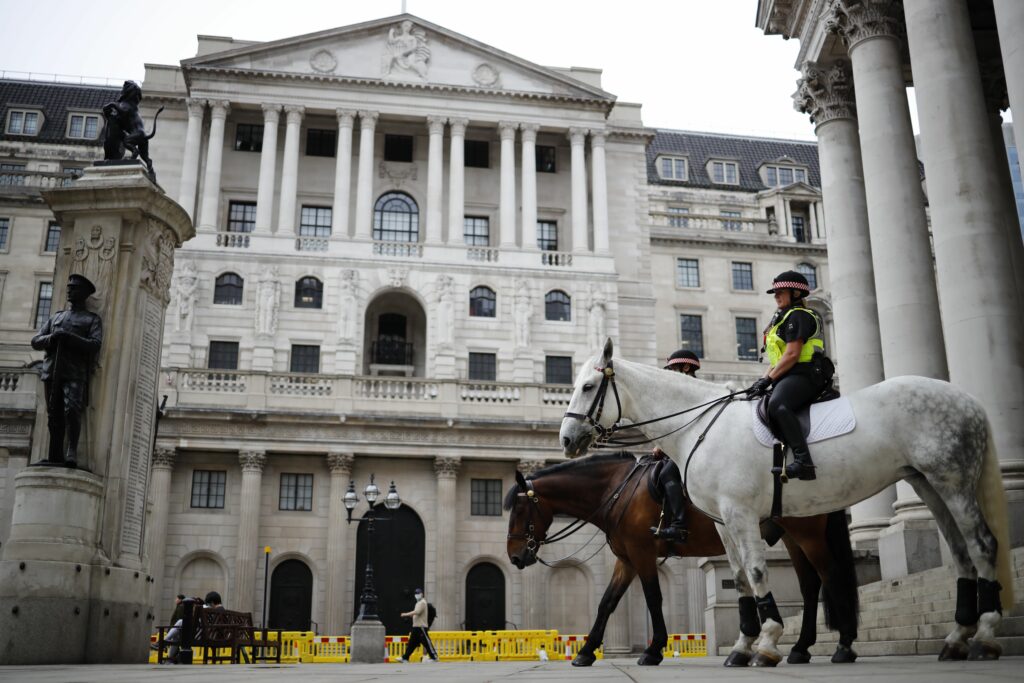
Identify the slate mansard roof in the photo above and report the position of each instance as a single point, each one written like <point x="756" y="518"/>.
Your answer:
<point x="749" y="152"/>
<point x="55" y="100"/>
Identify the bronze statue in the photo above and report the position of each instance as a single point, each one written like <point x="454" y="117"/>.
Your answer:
<point x="124" y="129"/>
<point x="71" y="339"/>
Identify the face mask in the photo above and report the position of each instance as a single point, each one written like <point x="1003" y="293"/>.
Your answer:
<point x="418" y="595"/>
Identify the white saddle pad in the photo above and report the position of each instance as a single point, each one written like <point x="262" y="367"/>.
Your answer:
<point x="828" y="419"/>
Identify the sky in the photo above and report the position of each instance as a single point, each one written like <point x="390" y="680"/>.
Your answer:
<point x="693" y="64"/>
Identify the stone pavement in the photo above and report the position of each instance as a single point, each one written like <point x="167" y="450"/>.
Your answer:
<point x="888" y="669"/>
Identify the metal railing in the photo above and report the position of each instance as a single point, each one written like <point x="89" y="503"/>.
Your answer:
<point x="391" y="352"/>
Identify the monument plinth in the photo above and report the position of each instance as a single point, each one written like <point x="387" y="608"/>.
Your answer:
<point x="74" y="579"/>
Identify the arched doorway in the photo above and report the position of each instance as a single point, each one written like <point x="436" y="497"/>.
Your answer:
<point x="395" y="336"/>
<point x="398" y="564"/>
<point x="569" y="600"/>
<point x="291" y="596"/>
<point x="485" y="598"/>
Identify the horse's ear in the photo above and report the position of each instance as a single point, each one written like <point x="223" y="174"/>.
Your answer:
<point x="607" y="351"/>
<point x="521" y="480"/>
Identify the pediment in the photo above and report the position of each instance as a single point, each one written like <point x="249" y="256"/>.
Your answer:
<point x="404" y="50"/>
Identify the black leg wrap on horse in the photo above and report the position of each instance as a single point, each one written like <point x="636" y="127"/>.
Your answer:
<point x="767" y="609"/>
<point x="750" y="625"/>
<point x="988" y="596"/>
<point x="966" y="602"/>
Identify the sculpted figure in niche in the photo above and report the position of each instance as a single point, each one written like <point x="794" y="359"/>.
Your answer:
<point x="523" y="311"/>
<point x="598" y="318"/>
<point x="268" y="294"/>
<point x="445" y="309"/>
<point x="348" y="298"/>
<point x="185" y="297"/>
<point x="406" y="49"/>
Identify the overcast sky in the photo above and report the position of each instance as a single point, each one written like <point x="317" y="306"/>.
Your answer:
<point x="693" y="64"/>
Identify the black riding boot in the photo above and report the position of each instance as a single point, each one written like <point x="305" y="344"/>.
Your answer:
<point x="675" y="531"/>
<point x="801" y="467"/>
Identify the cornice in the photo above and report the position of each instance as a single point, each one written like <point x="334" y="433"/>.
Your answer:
<point x="772" y="247"/>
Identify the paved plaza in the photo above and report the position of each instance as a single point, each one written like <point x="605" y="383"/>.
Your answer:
<point x="890" y="669"/>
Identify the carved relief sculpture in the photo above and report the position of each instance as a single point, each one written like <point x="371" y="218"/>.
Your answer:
<point x="445" y="310"/>
<point x="406" y="49"/>
<point x="268" y="296"/>
<point x="348" y="296"/>
<point x="94" y="258"/>
<point x="396" y="276"/>
<point x="598" y="325"/>
<point x="522" y="313"/>
<point x="185" y="297"/>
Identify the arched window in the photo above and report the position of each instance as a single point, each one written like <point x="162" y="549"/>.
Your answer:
<point x="482" y="302"/>
<point x="227" y="289"/>
<point x="809" y="272"/>
<point x="396" y="218"/>
<point x="309" y="293"/>
<point x="557" y="305"/>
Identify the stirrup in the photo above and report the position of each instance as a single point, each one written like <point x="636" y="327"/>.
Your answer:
<point x="674" y="534"/>
<point x="799" y="470"/>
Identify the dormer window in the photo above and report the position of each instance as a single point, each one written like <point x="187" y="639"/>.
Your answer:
<point x="24" y="121"/>
<point x="83" y="126"/>
<point x="781" y="176"/>
<point x="724" y="172"/>
<point x="672" y="168"/>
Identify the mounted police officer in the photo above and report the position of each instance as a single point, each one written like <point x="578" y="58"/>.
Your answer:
<point x="798" y="369"/>
<point x="684" y="361"/>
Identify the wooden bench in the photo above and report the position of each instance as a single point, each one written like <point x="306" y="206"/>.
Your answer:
<point x="225" y="636"/>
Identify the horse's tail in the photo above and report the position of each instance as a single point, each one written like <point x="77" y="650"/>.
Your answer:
<point x="155" y="117"/>
<point x="841" y="596"/>
<point x="992" y="499"/>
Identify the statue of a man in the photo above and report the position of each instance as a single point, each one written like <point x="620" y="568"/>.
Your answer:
<point x="268" y="295"/>
<point x="71" y="339"/>
<point x="523" y="311"/>
<point x="445" y="309"/>
<point x="598" y="319"/>
<point x="185" y="297"/>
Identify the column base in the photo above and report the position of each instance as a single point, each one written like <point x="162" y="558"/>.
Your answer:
<point x="864" y="533"/>
<point x="367" y="642"/>
<point x="909" y="546"/>
<point x="345" y="359"/>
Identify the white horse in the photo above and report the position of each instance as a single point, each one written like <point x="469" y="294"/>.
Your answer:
<point x="925" y="431"/>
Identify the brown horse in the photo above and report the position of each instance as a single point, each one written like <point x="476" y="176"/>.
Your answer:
<point x="611" y="492"/>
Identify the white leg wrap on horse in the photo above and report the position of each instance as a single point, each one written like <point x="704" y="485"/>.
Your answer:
<point x="771" y="631"/>
<point x="744" y="644"/>
<point x="987" y="624"/>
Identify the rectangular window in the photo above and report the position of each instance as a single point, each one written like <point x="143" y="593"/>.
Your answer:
<point x="476" y="231"/>
<point x="248" y="137"/>
<point x="20" y="122"/>
<point x="743" y="276"/>
<point x="672" y="168"/>
<point x="724" y="172"/>
<point x="5" y="230"/>
<point x="305" y="358"/>
<point x="43" y="301"/>
<point x="223" y="356"/>
<point x="477" y="154"/>
<point x="678" y="217"/>
<point x="485" y="497"/>
<point x="241" y="216"/>
<point x="772" y="176"/>
<point x="691" y="333"/>
<point x="746" y="338"/>
<point x="52" y="238"/>
<point x="83" y="126"/>
<point x="799" y="232"/>
<point x="398" y="148"/>
<point x="321" y="143"/>
<point x="785" y="176"/>
<point x="547" y="235"/>
<point x="296" y="492"/>
<point x="687" y="272"/>
<point x="558" y="369"/>
<point x="545" y="158"/>
<point x="315" y="221"/>
<point x="800" y="175"/>
<point x="208" y="488"/>
<point x="734" y="226"/>
<point x="483" y="366"/>
<point x="8" y="166"/>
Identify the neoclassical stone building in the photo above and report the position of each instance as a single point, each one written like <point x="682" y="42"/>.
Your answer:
<point x="407" y="244"/>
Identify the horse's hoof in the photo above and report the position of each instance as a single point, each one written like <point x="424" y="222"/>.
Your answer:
<point x="844" y="655"/>
<point x="981" y="650"/>
<point x="765" y="658"/>
<point x="953" y="653"/>
<point x="798" y="657"/>
<point x="647" y="659"/>
<point x="583" y="660"/>
<point x="737" y="658"/>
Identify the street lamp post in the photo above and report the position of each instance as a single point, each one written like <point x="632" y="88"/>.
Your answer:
<point x="368" y="598"/>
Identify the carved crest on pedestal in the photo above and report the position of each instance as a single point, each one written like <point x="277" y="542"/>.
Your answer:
<point x="93" y="257"/>
<point x="157" y="261"/>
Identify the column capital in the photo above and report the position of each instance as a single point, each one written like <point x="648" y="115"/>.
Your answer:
<point x="368" y="119"/>
<point x="825" y="93"/>
<point x="507" y="130"/>
<point x="163" y="457"/>
<point x="219" y="108"/>
<point x="529" y="131"/>
<point x="252" y="461"/>
<point x="447" y="467"/>
<point x="458" y="126"/>
<point x="597" y="138"/>
<point x="857" y="20"/>
<point x="528" y="467"/>
<point x="577" y="136"/>
<point x="435" y="124"/>
<point x="340" y="463"/>
<point x="294" y="112"/>
<point x="271" y="113"/>
<point x="196" y="106"/>
<point x="346" y="117"/>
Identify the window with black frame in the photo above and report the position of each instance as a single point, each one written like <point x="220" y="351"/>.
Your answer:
<point x="5" y="229"/>
<point x="482" y="302"/>
<point x="398" y="148"/>
<point x="52" y="237"/>
<point x="396" y="218"/>
<point x="315" y="221"/>
<point x="309" y="293"/>
<point x="558" y="369"/>
<point x="485" y="497"/>
<point x="241" y="216"/>
<point x="483" y="366"/>
<point x="477" y="153"/>
<point x="296" y="492"/>
<point x="476" y="231"/>
<point x="305" y="358"/>
<point x="546" y="157"/>
<point x="742" y="276"/>
<point x="321" y="142"/>
<point x="557" y="305"/>
<point x="223" y="355"/>
<point x="746" y="338"/>
<point x="691" y="333"/>
<point x="228" y="289"/>
<point x="44" y="300"/>
<point x="248" y="137"/>
<point x="208" y="488"/>
<point x="809" y="272"/>
<point x="547" y="235"/>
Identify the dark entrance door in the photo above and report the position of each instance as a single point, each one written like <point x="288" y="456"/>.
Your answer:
<point x="291" y="596"/>
<point x="485" y="598"/>
<point x="398" y="564"/>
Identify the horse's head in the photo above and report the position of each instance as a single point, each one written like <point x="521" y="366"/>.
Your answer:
<point x="528" y="522"/>
<point x="592" y="404"/>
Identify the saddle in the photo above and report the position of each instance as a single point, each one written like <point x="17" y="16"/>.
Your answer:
<point x="830" y="393"/>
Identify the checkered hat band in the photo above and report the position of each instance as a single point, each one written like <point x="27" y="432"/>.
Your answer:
<point x="791" y="285"/>
<point x="683" y="361"/>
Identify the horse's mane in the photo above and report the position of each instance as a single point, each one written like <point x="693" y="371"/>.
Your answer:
<point x="577" y="464"/>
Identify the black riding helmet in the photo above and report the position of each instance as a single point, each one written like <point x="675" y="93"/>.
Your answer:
<point x="683" y="357"/>
<point x="790" y="279"/>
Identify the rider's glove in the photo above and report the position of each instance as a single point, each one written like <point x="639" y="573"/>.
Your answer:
<point x="759" y="387"/>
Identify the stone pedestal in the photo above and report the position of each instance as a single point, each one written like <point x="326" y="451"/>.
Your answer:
<point x="263" y="357"/>
<point x="74" y="577"/>
<point x="909" y="546"/>
<point x="444" y="363"/>
<point x="345" y="359"/>
<point x="367" y="642"/>
<point x="522" y="366"/>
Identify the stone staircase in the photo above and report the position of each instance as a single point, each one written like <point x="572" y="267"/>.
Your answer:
<point x="912" y="616"/>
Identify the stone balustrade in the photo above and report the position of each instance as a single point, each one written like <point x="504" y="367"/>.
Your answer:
<point x="311" y="243"/>
<point x="400" y="249"/>
<point x="233" y="240"/>
<point x="33" y="180"/>
<point x="18" y="388"/>
<point x="482" y="254"/>
<point x="556" y="258"/>
<point x="710" y="222"/>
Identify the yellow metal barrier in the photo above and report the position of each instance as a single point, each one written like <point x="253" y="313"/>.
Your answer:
<point x="686" y="645"/>
<point x="293" y="644"/>
<point x="570" y="646"/>
<point x="326" y="650"/>
<point x="516" y="645"/>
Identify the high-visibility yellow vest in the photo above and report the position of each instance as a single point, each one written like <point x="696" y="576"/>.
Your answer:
<point x="774" y="345"/>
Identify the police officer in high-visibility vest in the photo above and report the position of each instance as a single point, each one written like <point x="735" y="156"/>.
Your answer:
<point x="795" y="346"/>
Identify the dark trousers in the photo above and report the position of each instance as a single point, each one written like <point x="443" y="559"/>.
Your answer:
<point x="789" y="395"/>
<point x="420" y="636"/>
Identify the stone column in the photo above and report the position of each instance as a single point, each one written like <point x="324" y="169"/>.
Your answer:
<point x="190" y="164"/>
<point x="812" y="221"/>
<point x="290" y="170"/>
<point x="339" y="600"/>
<point x="456" y="180"/>
<point x="577" y="138"/>
<point x="209" y="213"/>
<point x="599" y="192"/>
<point x="159" y="495"/>
<point x="1010" y="24"/>
<point x="435" y="172"/>
<point x="535" y="578"/>
<point x="528" y="134"/>
<point x="342" y="175"/>
<point x="246" y="553"/>
<point x="981" y="308"/>
<point x="447" y="469"/>
<point x="507" y="224"/>
<point x="268" y="170"/>
<point x="826" y="94"/>
<point x="364" y="182"/>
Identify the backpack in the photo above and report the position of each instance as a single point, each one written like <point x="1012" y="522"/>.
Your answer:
<point x="431" y="614"/>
